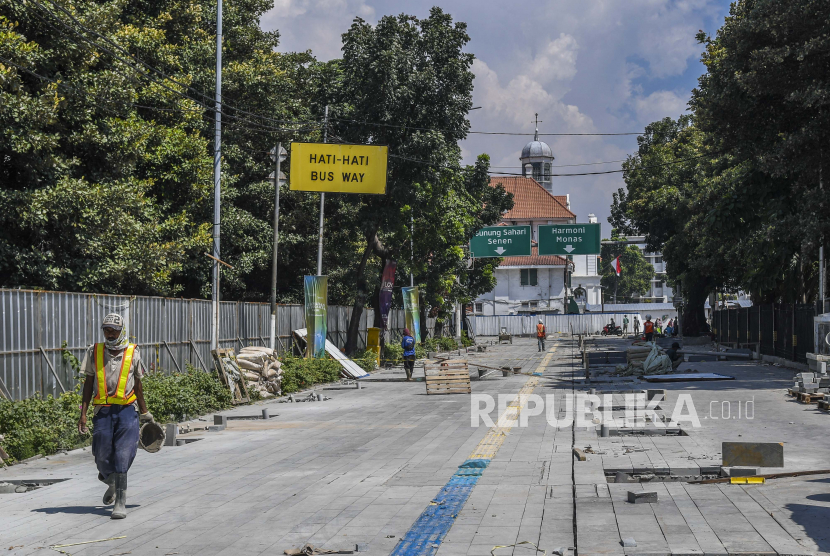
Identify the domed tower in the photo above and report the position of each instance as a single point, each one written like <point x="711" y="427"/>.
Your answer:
<point x="536" y="161"/>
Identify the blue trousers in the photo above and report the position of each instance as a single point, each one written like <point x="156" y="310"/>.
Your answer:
<point x="114" y="438"/>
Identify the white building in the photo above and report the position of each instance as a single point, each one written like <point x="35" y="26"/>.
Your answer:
<point x="659" y="292"/>
<point x="538" y="283"/>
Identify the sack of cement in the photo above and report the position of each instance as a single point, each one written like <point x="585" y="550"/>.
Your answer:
<point x="258" y="349"/>
<point x="249" y="365"/>
<point x="255" y="357"/>
<point x="250" y="376"/>
<point x="656" y="361"/>
<point x="269" y="373"/>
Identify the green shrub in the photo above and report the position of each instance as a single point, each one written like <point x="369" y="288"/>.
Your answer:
<point x="465" y="340"/>
<point x="299" y="373"/>
<point x="366" y="359"/>
<point x="392" y="350"/>
<point x="170" y="397"/>
<point x="41" y="425"/>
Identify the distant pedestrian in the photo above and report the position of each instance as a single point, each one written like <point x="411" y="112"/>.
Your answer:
<point x="658" y="324"/>
<point x="541" y="333"/>
<point x="636" y="326"/>
<point x="669" y="327"/>
<point x="113" y="374"/>
<point x="625" y="324"/>
<point x="648" y="328"/>
<point x="408" y="345"/>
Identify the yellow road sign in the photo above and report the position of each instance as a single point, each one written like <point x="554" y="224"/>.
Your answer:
<point x="337" y="168"/>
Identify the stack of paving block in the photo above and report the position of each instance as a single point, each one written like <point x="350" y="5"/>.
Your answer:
<point x="811" y="383"/>
<point x="261" y="369"/>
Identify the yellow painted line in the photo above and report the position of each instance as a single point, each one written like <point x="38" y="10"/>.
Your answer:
<point x="492" y="441"/>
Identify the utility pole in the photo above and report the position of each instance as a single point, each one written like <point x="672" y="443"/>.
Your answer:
<point x="411" y="251"/>
<point x="278" y="154"/>
<point x="217" y="177"/>
<point x="322" y="202"/>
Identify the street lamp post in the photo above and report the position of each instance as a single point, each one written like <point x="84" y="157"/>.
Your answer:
<point x="278" y="154"/>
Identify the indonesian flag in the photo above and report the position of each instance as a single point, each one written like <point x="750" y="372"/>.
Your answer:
<point x="615" y="264"/>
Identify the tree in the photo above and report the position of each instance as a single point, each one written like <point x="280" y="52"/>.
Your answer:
<point x="635" y="277"/>
<point x="765" y="101"/>
<point x="406" y="83"/>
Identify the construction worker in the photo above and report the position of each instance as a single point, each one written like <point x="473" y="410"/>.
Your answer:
<point x="113" y="375"/>
<point x="408" y="345"/>
<point x="675" y="355"/>
<point x="540" y="335"/>
<point x="625" y="324"/>
<point x="648" y="328"/>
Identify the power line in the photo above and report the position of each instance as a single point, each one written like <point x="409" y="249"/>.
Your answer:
<point x="570" y="165"/>
<point x="511" y="133"/>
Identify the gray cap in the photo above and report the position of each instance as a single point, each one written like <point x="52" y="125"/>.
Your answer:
<point x="113" y="320"/>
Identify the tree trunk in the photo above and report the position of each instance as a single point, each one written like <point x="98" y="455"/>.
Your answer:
<point x="694" y="316"/>
<point x="373" y="246"/>
<point x="359" y="302"/>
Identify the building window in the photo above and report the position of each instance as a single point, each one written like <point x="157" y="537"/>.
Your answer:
<point x="537" y="171"/>
<point x="533" y="304"/>
<point x="527" y="277"/>
<point x="479" y="307"/>
<point x="658" y="260"/>
<point x="547" y="171"/>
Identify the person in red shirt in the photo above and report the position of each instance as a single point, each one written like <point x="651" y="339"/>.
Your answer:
<point x="648" y="328"/>
<point x="540" y="335"/>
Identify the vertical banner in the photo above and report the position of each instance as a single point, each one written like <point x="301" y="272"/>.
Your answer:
<point x="412" y="311"/>
<point x="387" y="281"/>
<point x="316" y="299"/>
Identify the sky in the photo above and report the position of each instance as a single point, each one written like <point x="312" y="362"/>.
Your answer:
<point x="585" y="66"/>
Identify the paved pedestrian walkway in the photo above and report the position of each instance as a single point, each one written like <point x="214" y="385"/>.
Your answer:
<point x="368" y="466"/>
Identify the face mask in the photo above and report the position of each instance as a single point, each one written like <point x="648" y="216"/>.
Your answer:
<point x="120" y="342"/>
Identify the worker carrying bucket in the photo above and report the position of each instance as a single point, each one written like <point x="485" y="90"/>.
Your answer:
<point x="112" y="383"/>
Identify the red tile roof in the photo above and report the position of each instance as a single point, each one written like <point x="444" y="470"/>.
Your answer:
<point x="531" y="200"/>
<point x="535" y="259"/>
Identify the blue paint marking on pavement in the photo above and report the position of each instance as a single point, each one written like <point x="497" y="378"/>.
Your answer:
<point x="429" y="530"/>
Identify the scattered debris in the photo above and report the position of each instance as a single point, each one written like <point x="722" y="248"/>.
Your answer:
<point x="642" y="497"/>
<point x="54" y="546"/>
<point x="493" y="550"/>
<point x="311" y="550"/>
<point x="629" y="542"/>
<point x="579" y="455"/>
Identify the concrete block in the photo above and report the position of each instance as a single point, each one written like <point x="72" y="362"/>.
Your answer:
<point x="629" y="542"/>
<point x="220" y="420"/>
<point x="761" y="454"/>
<point x="642" y="497"/>
<point x="743" y="472"/>
<point x="361" y="547"/>
<point x="170" y="432"/>
<point x="265" y="414"/>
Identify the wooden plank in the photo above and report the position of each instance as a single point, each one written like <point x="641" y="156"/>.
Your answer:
<point x="447" y="377"/>
<point x="445" y="381"/>
<point x="457" y="388"/>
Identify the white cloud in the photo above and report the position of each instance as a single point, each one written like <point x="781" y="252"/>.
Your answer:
<point x="315" y="25"/>
<point x="660" y="104"/>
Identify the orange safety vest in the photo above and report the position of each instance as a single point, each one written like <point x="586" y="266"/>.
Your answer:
<point x="121" y="397"/>
<point x="540" y="330"/>
<point x="648" y="327"/>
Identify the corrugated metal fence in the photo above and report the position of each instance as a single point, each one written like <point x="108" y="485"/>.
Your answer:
<point x="782" y="329"/>
<point x="588" y="323"/>
<point x="36" y="325"/>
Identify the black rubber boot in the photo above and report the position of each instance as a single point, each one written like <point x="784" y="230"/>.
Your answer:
<point x="109" y="495"/>
<point x="119" y="511"/>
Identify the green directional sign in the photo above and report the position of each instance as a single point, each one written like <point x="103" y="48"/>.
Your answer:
<point x="569" y="239"/>
<point x="501" y="241"/>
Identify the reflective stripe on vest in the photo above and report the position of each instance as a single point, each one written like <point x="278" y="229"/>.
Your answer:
<point x="120" y="398"/>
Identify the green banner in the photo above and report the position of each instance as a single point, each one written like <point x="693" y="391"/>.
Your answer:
<point x="412" y="312"/>
<point x="316" y="300"/>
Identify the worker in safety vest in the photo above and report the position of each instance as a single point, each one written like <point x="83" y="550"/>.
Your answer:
<point x="113" y="377"/>
<point x="648" y="328"/>
<point x="540" y="335"/>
